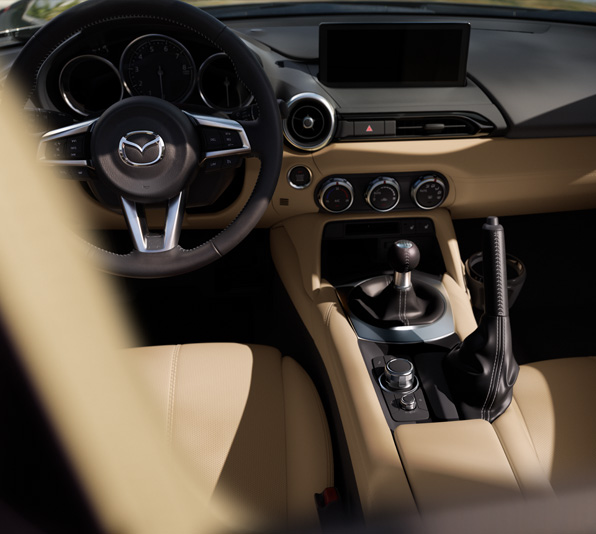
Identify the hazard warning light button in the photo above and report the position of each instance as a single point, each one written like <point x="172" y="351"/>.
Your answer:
<point x="369" y="128"/>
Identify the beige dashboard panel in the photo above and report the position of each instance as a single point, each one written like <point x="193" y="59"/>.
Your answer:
<point x="497" y="176"/>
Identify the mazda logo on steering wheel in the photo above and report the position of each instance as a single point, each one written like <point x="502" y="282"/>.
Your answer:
<point x="141" y="148"/>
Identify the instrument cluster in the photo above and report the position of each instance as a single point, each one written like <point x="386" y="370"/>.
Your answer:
<point x="151" y="64"/>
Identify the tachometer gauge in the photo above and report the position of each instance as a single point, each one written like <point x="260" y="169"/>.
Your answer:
<point x="156" y="65"/>
<point x="219" y="85"/>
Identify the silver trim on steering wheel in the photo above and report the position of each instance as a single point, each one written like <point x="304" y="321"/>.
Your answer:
<point x="150" y="242"/>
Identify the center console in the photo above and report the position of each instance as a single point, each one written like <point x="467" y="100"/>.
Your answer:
<point x="347" y="275"/>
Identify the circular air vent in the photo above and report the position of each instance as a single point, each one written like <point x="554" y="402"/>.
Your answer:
<point x="310" y="123"/>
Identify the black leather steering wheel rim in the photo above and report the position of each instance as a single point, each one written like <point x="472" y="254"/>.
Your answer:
<point x="264" y="134"/>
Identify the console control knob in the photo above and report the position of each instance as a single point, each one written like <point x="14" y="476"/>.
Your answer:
<point x="408" y="402"/>
<point x="336" y="195"/>
<point x="429" y="192"/>
<point x="399" y="374"/>
<point x="383" y="194"/>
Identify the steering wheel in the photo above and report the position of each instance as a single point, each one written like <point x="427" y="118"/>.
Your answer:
<point x="148" y="150"/>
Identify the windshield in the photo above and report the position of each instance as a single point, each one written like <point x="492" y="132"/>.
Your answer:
<point x="34" y="13"/>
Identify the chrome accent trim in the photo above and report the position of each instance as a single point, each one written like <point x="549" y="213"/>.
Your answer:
<point x="402" y="280"/>
<point x="64" y="93"/>
<point x="382" y="180"/>
<point x="422" y="181"/>
<point x="403" y="392"/>
<point x="201" y="72"/>
<point x="299" y="187"/>
<point x="167" y="38"/>
<point x="331" y="183"/>
<point x="147" y="242"/>
<point x="223" y="124"/>
<point x="330" y="109"/>
<point x="124" y="142"/>
<point x="63" y="133"/>
<point x="441" y="328"/>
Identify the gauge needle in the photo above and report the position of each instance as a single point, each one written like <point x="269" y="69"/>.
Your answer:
<point x="227" y="86"/>
<point x="160" y="74"/>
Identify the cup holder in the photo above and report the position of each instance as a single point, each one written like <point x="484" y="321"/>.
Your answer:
<point x="516" y="276"/>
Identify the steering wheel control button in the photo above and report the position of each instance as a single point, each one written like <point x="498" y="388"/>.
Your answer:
<point x="231" y="140"/>
<point x="336" y="195"/>
<point x="429" y="192"/>
<point x="299" y="177"/>
<point x="383" y="194"/>
<point x="399" y="374"/>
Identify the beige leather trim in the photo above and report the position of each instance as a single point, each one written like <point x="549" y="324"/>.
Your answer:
<point x="457" y="463"/>
<point x="554" y="397"/>
<point x="463" y="315"/>
<point x="381" y="482"/>
<point x="62" y="317"/>
<point x="517" y="445"/>
<point x="497" y="176"/>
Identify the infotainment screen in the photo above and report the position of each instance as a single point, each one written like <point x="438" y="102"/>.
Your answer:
<point x="393" y="55"/>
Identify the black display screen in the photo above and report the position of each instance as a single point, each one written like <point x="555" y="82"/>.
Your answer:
<point x="393" y="55"/>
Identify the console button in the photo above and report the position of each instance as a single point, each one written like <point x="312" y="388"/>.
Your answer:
<point x="299" y="177"/>
<point x="369" y="128"/>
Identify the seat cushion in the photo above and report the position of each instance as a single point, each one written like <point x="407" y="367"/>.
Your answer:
<point x="250" y="425"/>
<point x="554" y="408"/>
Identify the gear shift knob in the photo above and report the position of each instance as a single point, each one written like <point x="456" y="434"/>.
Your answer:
<point x="404" y="257"/>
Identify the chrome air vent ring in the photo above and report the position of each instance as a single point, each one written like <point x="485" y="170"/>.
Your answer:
<point x="310" y="124"/>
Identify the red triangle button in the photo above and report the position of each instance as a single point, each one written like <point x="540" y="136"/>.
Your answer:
<point x="369" y="129"/>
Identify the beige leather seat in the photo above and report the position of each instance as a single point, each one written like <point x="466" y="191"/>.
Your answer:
<point x="542" y="449"/>
<point x="249" y="422"/>
<point x="551" y="424"/>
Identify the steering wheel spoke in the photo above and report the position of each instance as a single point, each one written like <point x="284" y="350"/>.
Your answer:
<point x="223" y="139"/>
<point x="67" y="150"/>
<point x="147" y="241"/>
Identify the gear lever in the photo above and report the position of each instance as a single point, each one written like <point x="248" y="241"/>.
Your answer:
<point x="404" y="257"/>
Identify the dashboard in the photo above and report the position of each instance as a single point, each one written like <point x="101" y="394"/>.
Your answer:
<point x="512" y="137"/>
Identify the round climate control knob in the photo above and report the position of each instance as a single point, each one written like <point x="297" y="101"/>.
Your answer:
<point x="383" y="194"/>
<point x="336" y="195"/>
<point x="429" y="192"/>
<point x="399" y="374"/>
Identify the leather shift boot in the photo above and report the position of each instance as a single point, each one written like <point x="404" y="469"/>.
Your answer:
<point x="482" y="370"/>
<point x="379" y="302"/>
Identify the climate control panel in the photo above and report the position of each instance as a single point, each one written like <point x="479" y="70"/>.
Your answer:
<point x="382" y="192"/>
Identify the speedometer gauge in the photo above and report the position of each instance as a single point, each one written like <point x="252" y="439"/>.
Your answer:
<point x="156" y="65"/>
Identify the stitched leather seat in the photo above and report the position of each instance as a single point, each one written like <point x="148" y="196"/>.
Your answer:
<point x="550" y="424"/>
<point x="249" y="422"/>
